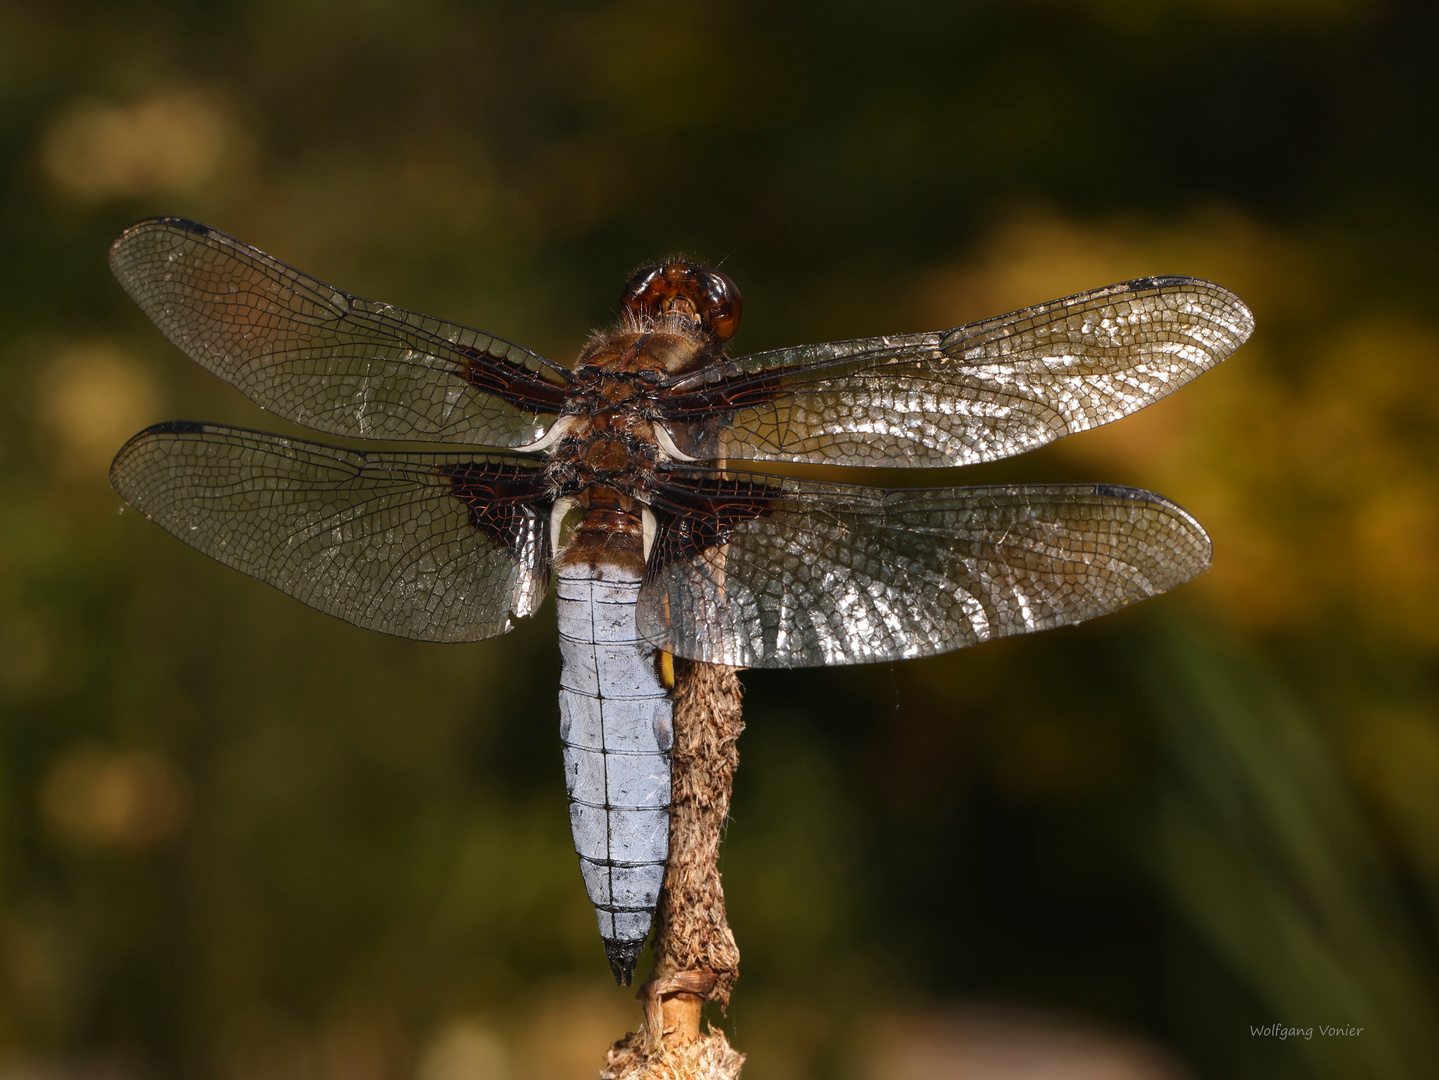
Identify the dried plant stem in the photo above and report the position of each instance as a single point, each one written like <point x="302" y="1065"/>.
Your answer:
<point x="696" y="959"/>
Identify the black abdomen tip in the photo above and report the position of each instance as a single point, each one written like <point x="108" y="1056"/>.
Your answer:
<point x="623" y="955"/>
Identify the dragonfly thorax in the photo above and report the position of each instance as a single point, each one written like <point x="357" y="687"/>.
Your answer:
<point x="602" y="471"/>
<point x="670" y="344"/>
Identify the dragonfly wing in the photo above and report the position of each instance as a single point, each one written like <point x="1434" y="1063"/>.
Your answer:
<point x="426" y="546"/>
<point x="975" y="393"/>
<point x="770" y="572"/>
<point x="328" y="360"/>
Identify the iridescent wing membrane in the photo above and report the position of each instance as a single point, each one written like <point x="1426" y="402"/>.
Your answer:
<point x="745" y="570"/>
<point x="324" y="358"/>
<point x="428" y="546"/>
<point x="971" y="394"/>
<point x="805" y="573"/>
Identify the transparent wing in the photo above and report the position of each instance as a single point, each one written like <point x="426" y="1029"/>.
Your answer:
<point x="325" y="359"/>
<point x="433" y="547"/>
<point x="769" y="572"/>
<point x="974" y="393"/>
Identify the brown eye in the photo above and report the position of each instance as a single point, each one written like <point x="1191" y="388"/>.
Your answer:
<point x="710" y="295"/>
<point x="640" y="296"/>
<point x="720" y="304"/>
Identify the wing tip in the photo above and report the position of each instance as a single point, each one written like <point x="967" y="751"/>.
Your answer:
<point x="167" y="221"/>
<point x="1240" y="316"/>
<point x="165" y="427"/>
<point x="1186" y="522"/>
<point x="120" y="247"/>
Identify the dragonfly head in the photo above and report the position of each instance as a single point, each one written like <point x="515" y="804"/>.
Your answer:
<point x="685" y="288"/>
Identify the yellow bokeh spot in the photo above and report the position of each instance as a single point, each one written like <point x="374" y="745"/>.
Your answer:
<point x="130" y="799"/>
<point x="93" y="397"/>
<point x="169" y="143"/>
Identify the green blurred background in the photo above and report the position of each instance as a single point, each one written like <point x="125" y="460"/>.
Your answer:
<point x="240" y="839"/>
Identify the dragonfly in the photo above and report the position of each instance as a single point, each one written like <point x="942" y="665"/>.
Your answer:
<point x="632" y="480"/>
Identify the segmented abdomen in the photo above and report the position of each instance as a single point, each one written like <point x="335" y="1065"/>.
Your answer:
<point x="616" y="722"/>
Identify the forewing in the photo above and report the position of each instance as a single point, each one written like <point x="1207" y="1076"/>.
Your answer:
<point x="769" y="572"/>
<point x="433" y="547"/>
<point x="971" y="394"/>
<point x="325" y="359"/>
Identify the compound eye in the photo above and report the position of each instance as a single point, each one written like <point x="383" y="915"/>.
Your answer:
<point x="642" y="293"/>
<point x="719" y="302"/>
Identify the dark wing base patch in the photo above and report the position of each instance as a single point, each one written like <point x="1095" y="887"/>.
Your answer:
<point x="696" y="515"/>
<point x="507" y="503"/>
<point x="493" y="374"/>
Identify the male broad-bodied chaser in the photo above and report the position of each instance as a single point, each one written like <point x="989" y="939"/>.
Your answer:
<point x="610" y="478"/>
